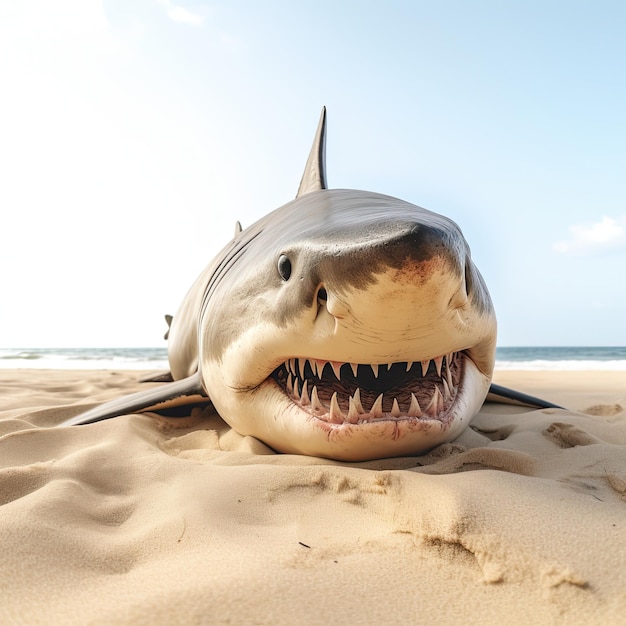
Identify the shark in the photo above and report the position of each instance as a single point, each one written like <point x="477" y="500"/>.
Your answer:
<point x="346" y="324"/>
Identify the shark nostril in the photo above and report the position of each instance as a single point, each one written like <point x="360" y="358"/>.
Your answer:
<point x="322" y="296"/>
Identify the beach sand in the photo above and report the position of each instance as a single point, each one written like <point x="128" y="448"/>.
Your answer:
<point x="142" y="520"/>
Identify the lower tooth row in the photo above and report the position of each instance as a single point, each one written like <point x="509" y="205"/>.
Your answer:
<point x="356" y="410"/>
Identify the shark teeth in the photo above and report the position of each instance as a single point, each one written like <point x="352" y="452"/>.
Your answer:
<point x="435" y="405"/>
<point x="414" y="408"/>
<point x="377" y="407"/>
<point x="303" y="368"/>
<point x="411" y="390"/>
<point x="447" y="394"/>
<point x="304" y="396"/>
<point x="316" y="405"/>
<point x="354" y="413"/>
<point x="356" y="399"/>
<point x="438" y="364"/>
<point x="335" y="413"/>
<point x="336" y="367"/>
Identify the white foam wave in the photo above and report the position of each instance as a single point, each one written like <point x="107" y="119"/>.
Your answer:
<point x="63" y="363"/>
<point x="564" y="365"/>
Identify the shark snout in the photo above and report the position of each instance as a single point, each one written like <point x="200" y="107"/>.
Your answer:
<point x="409" y="266"/>
<point x="401" y="310"/>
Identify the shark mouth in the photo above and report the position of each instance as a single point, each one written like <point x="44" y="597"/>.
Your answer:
<point x="349" y="393"/>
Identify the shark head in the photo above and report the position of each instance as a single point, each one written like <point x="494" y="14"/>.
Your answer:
<point x="345" y="324"/>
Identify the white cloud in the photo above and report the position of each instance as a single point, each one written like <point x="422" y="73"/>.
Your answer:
<point x="607" y="234"/>
<point x="180" y="14"/>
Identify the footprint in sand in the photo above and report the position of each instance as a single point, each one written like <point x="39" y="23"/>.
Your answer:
<point x="568" y="436"/>
<point x="495" y="434"/>
<point x="604" y="410"/>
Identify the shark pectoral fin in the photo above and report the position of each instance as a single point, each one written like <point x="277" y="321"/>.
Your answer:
<point x="162" y="377"/>
<point x="498" y="393"/>
<point x="179" y="393"/>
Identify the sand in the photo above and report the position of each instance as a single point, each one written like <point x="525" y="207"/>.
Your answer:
<point x="140" y="520"/>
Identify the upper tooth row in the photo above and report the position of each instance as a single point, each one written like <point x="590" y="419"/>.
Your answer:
<point x="296" y="366"/>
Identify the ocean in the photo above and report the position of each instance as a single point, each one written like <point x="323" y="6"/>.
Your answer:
<point x="84" y="358"/>
<point x="527" y="358"/>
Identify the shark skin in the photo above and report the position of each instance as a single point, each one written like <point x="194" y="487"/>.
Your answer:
<point x="345" y="324"/>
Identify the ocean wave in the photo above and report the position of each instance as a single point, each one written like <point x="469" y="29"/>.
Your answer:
<point x="563" y="365"/>
<point x="85" y="358"/>
<point x="20" y="356"/>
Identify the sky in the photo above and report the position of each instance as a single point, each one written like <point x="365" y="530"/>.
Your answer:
<point x="134" y="134"/>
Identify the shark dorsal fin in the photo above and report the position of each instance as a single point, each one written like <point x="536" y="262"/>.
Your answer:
<point x="314" y="177"/>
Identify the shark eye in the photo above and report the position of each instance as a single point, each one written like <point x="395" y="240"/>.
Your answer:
<point x="284" y="267"/>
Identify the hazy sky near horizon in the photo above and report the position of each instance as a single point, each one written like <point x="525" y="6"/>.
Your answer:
<point x="134" y="134"/>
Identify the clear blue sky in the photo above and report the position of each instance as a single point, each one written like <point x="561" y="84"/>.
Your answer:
<point x="134" y="134"/>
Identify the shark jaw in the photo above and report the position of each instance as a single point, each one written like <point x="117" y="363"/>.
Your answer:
<point x="382" y="411"/>
<point x="351" y="411"/>
<point x="349" y="393"/>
